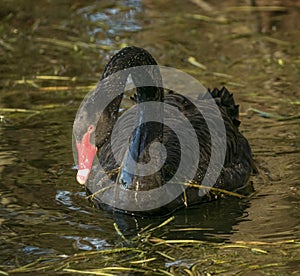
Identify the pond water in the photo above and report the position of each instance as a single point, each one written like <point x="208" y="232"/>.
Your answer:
<point x="53" y="52"/>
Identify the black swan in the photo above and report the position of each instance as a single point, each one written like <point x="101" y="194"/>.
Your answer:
<point x="116" y="187"/>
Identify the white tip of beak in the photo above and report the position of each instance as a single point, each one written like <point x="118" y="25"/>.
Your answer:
<point x="82" y="176"/>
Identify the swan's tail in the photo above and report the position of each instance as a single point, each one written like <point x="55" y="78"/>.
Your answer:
<point x="225" y="99"/>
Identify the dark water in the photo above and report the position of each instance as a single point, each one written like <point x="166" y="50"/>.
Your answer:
<point x="45" y="216"/>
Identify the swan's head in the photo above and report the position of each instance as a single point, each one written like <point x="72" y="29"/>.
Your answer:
<point x="86" y="153"/>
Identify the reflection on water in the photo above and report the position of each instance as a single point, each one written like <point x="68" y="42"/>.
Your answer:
<point x="253" y="51"/>
<point x="86" y="243"/>
<point x="107" y="23"/>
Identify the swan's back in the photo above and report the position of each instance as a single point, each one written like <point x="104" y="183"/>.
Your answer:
<point x="238" y="163"/>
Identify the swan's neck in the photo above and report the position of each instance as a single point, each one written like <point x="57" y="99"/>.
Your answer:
<point x="149" y="93"/>
<point x="132" y="175"/>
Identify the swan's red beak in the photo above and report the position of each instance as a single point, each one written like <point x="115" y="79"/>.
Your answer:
<point x="86" y="153"/>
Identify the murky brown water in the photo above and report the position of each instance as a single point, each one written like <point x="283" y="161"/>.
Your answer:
<point x="44" y="215"/>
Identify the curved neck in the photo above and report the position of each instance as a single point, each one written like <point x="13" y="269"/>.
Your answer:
<point x="126" y="58"/>
<point x="148" y="82"/>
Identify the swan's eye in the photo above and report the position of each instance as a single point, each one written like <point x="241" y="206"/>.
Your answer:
<point x="91" y="128"/>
